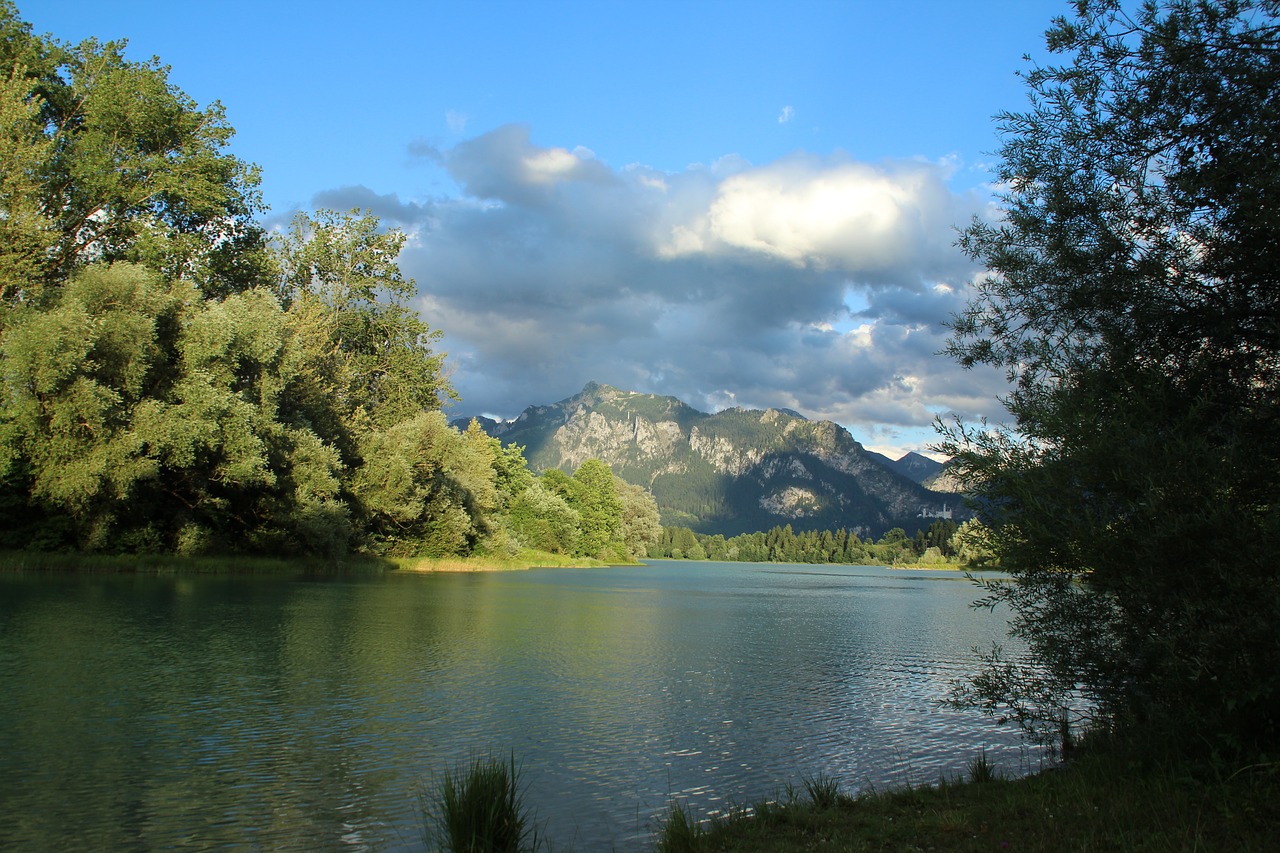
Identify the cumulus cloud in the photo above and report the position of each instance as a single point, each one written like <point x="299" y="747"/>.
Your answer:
<point x="727" y="283"/>
<point x="787" y="114"/>
<point x="870" y="222"/>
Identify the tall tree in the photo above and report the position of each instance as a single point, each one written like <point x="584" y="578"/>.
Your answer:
<point x="424" y="489"/>
<point x="26" y="232"/>
<point x="340" y="270"/>
<point x="595" y="497"/>
<point x="137" y="416"/>
<point x="1134" y="301"/>
<point x="133" y="169"/>
<point x="641" y="523"/>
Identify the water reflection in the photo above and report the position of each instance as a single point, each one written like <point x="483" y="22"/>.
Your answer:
<point x="147" y="713"/>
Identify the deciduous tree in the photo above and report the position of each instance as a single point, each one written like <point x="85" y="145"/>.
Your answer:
<point x="1134" y="301"/>
<point x="131" y="168"/>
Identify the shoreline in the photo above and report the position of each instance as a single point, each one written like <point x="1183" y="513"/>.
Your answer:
<point x="520" y="563"/>
<point x="45" y="562"/>
<point x="97" y="563"/>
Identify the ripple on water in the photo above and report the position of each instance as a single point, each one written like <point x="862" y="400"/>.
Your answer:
<point x="301" y="715"/>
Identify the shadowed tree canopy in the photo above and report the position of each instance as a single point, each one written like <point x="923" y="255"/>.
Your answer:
<point x="1134" y="300"/>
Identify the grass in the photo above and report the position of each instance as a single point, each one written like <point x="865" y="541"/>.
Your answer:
<point x="823" y="791"/>
<point x="981" y="770"/>
<point x="524" y="559"/>
<point x="479" y="808"/>
<point x="1101" y="802"/>
<point x="164" y="564"/>
<point x="681" y="832"/>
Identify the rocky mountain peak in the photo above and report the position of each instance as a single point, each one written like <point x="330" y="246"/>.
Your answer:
<point x="735" y="471"/>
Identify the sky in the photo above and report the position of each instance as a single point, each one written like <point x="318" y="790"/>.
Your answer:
<point x="734" y="203"/>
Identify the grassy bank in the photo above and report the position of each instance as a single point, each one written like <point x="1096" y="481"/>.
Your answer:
<point x="1101" y="802"/>
<point x="163" y="564"/>
<point x="525" y="559"/>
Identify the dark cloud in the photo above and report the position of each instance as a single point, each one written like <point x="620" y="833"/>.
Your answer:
<point x="388" y="207"/>
<point x="721" y="284"/>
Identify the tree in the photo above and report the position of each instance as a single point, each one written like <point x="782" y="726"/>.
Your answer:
<point x="1133" y="301"/>
<point x="641" y="521"/>
<point x="130" y="168"/>
<point x="595" y="497"/>
<point x="137" y="416"/>
<point x="26" y="232"/>
<point x="424" y="489"/>
<point x="541" y="518"/>
<point x="972" y="544"/>
<point x="340" y="271"/>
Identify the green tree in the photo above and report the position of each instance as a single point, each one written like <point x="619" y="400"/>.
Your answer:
<point x="340" y="273"/>
<point x="593" y="494"/>
<point x="424" y="489"/>
<point x="1133" y="301"/>
<point x="972" y="544"/>
<point x="130" y="168"/>
<point x="939" y="535"/>
<point x="641" y="523"/>
<point x="137" y="416"/>
<point x="26" y="231"/>
<point x="541" y="518"/>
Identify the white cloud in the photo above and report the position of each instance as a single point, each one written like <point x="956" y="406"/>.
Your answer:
<point x="550" y="165"/>
<point x="828" y="214"/>
<point x="818" y="284"/>
<point x="787" y="114"/>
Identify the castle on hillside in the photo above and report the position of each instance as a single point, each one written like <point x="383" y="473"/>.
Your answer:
<point x="930" y="512"/>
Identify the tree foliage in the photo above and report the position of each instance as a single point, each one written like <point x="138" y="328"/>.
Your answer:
<point x="341" y="270"/>
<point x="1133" y="300"/>
<point x="129" y="167"/>
<point x="784" y="545"/>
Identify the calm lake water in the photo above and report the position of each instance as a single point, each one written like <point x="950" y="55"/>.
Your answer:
<point x="145" y="713"/>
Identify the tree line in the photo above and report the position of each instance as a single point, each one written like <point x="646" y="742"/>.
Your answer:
<point x="177" y="379"/>
<point x="943" y="543"/>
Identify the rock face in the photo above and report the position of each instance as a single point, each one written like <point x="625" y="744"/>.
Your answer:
<point x="944" y="480"/>
<point x="735" y="471"/>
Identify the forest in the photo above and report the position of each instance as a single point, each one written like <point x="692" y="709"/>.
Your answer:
<point x="942" y="544"/>
<point x="177" y="379"/>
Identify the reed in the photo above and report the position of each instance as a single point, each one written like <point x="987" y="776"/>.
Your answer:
<point x="479" y="808"/>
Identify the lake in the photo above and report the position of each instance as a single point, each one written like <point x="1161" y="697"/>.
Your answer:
<point x="145" y="713"/>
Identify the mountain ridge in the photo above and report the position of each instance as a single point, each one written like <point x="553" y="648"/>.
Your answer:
<point x="734" y="471"/>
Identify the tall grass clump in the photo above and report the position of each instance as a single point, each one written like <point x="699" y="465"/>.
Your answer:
<point x="681" y="832"/>
<point x="823" y="790"/>
<point x="981" y="770"/>
<point x="479" y="808"/>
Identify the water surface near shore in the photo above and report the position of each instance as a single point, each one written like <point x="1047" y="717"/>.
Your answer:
<point x="311" y="714"/>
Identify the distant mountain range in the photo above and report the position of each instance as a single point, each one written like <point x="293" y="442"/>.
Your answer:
<point x="736" y="471"/>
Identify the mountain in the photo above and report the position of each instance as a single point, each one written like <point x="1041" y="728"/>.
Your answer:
<point x="913" y="466"/>
<point x="944" y="480"/>
<point x="736" y="471"/>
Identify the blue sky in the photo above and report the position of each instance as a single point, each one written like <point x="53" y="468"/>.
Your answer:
<point x="746" y="203"/>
